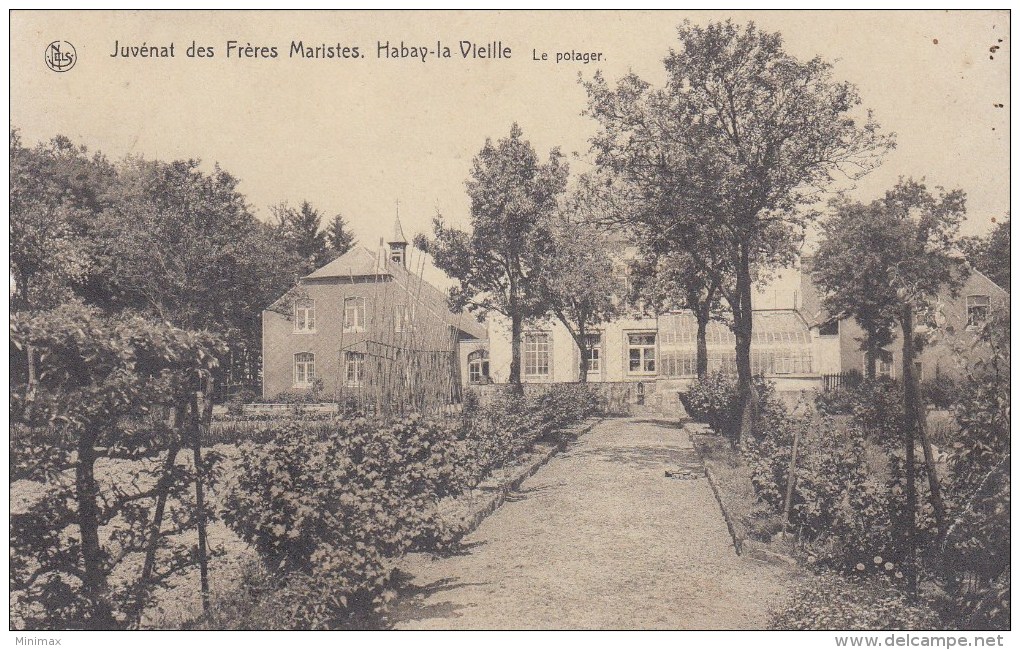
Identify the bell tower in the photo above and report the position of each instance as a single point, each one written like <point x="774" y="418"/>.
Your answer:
<point x="398" y="242"/>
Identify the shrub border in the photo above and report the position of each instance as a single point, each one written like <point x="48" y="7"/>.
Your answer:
<point x="476" y="516"/>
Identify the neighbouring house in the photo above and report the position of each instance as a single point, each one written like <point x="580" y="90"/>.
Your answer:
<point x="951" y="345"/>
<point x="365" y="328"/>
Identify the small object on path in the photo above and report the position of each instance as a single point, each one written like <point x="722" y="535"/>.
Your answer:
<point x="685" y="473"/>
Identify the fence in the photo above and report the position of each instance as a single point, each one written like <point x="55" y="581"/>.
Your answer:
<point x="845" y="379"/>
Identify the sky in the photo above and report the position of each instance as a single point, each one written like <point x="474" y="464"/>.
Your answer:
<point x="356" y="136"/>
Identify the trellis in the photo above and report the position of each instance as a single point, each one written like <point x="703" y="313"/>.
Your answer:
<point x="408" y="357"/>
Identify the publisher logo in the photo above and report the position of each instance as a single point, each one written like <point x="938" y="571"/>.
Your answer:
<point x="60" y="56"/>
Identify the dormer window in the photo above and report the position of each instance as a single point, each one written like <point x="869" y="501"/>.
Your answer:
<point x="304" y="316"/>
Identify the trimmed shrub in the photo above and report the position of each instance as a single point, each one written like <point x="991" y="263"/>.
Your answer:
<point x="714" y="399"/>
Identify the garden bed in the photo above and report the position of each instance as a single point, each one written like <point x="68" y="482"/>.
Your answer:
<point x="754" y="530"/>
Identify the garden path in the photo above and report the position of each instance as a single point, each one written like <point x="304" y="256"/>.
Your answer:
<point x="599" y="539"/>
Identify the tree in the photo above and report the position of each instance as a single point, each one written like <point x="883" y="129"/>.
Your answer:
<point x="990" y="254"/>
<point x="850" y="287"/>
<point x="673" y="281"/>
<point x="56" y="193"/>
<point x="736" y="148"/>
<point x="300" y="230"/>
<point x="182" y="245"/>
<point x="908" y="256"/>
<point x="90" y="550"/>
<point x="579" y="283"/>
<point x="338" y="238"/>
<point x="497" y="263"/>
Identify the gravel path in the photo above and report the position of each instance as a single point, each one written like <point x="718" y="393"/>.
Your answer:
<point x="599" y="539"/>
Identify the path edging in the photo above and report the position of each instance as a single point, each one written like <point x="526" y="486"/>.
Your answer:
<point x="477" y="516"/>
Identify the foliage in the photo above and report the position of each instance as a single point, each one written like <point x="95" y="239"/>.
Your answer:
<point x="941" y="391"/>
<point x="732" y="153"/>
<point x="848" y="519"/>
<point x="900" y="251"/>
<point x="300" y="230"/>
<point x="339" y="237"/>
<point x="336" y="509"/>
<point x="56" y="193"/>
<point x="832" y="602"/>
<point x="578" y="281"/>
<point x="83" y="388"/>
<point x="990" y="254"/>
<point x="977" y="549"/>
<point x="497" y="263"/>
<point x="715" y="401"/>
<point x="181" y="244"/>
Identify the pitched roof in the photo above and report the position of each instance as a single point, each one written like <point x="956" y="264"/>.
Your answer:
<point x="360" y="262"/>
<point x="357" y="262"/>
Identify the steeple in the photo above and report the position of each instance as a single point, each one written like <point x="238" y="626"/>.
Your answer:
<point x="398" y="244"/>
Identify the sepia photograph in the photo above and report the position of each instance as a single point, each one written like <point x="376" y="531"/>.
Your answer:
<point x="377" y="320"/>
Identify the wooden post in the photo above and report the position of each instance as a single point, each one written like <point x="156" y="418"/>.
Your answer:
<point x="198" y="410"/>
<point x="790" y="479"/>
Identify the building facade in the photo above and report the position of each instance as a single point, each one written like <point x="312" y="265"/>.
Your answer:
<point x="364" y="327"/>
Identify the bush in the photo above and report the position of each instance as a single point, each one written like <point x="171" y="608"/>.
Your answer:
<point x="842" y="514"/>
<point x="714" y="401"/>
<point x="337" y="510"/>
<point x="942" y="392"/>
<point x="296" y="396"/>
<point x="832" y="602"/>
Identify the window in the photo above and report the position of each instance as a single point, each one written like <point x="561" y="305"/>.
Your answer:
<point x="354" y="314"/>
<point x="304" y="316"/>
<point x="478" y="367"/>
<point x="829" y="329"/>
<point x="641" y="353"/>
<point x="593" y="350"/>
<point x="354" y="363"/>
<point x="977" y="310"/>
<point x="304" y="369"/>
<point x="884" y="364"/>
<point x="536" y="354"/>
<point x="397" y="255"/>
<point x="402" y="316"/>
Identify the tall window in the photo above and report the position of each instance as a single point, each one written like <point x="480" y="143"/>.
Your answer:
<point x="402" y="315"/>
<point x="593" y="350"/>
<point x="354" y="363"/>
<point x="354" y="314"/>
<point x="641" y="353"/>
<point x="478" y="367"/>
<point x="884" y="364"/>
<point x="304" y="316"/>
<point x="977" y="310"/>
<point x="536" y="354"/>
<point x="304" y="369"/>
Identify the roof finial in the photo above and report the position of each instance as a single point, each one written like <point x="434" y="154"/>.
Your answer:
<point x="398" y="231"/>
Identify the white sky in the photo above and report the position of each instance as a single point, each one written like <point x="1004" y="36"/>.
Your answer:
<point x="356" y="136"/>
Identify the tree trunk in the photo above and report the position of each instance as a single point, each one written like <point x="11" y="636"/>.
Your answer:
<point x="199" y="408"/>
<point x="743" y="331"/>
<point x="582" y="344"/>
<point x="702" y="353"/>
<point x="516" y="325"/>
<point x="870" y="362"/>
<point x="94" y="578"/>
<point x="909" y="426"/>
